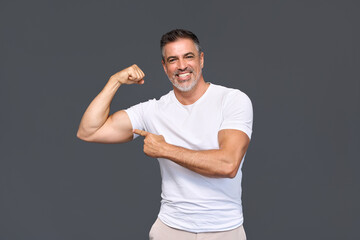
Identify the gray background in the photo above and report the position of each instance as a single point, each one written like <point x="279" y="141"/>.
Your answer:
<point x="298" y="61"/>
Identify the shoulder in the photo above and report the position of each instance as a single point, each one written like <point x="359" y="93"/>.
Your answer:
<point x="165" y="98"/>
<point x="228" y="94"/>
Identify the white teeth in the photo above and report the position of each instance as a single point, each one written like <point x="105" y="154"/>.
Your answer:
<point x="184" y="74"/>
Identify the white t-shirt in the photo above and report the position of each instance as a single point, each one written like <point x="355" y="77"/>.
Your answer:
<point x="190" y="201"/>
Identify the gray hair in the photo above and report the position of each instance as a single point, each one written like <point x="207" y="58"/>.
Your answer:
<point x="176" y="34"/>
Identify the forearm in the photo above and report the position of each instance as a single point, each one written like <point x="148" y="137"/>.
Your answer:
<point x="98" y="111"/>
<point x="212" y="163"/>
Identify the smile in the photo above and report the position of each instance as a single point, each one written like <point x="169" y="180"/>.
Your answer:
<point x="184" y="75"/>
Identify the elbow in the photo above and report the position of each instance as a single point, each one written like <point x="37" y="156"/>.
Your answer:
<point x="227" y="171"/>
<point x="81" y="136"/>
<point x="232" y="170"/>
<point x="232" y="166"/>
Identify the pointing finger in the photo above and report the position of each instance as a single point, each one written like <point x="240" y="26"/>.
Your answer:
<point x="140" y="132"/>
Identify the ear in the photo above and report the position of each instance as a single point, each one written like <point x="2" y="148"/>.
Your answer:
<point x="164" y="66"/>
<point x="202" y="59"/>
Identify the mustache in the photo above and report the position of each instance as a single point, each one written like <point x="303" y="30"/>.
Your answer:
<point x="188" y="69"/>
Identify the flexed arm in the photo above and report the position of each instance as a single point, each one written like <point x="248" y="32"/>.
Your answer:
<point x="96" y="125"/>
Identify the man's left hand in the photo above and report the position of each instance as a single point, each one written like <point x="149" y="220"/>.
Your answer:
<point x="153" y="144"/>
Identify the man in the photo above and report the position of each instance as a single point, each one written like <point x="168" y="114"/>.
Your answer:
<point x="199" y="132"/>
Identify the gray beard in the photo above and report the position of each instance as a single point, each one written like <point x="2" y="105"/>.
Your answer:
<point x="187" y="88"/>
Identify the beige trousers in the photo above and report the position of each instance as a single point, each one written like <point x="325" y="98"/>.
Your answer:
<point x="160" y="231"/>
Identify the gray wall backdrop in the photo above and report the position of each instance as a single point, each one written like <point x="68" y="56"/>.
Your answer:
<point x="297" y="60"/>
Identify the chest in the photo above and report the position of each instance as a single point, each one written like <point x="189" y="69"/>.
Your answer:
<point x="196" y="128"/>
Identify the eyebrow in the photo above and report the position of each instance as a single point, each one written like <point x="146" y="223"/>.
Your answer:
<point x="186" y="54"/>
<point x="189" y="53"/>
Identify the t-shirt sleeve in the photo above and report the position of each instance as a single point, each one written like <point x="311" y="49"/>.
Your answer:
<point x="237" y="112"/>
<point x="136" y="115"/>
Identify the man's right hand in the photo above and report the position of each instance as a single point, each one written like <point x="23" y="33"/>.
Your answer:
<point x="96" y="125"/>
<point x="130" y="75"/>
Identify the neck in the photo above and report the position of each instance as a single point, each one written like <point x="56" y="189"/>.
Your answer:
<point x="189" y="97"/>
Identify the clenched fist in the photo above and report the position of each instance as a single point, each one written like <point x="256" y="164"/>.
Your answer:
<point x="130" y="75"/>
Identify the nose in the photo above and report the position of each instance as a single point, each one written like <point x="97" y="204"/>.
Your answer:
<point x="181" y="65"/>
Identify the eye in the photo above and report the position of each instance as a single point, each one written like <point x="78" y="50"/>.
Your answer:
<point x="171" y="60"/>
<point x="189" y="56"/>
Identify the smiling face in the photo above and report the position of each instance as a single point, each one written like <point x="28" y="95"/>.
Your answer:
<point x="183" y="63"/>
